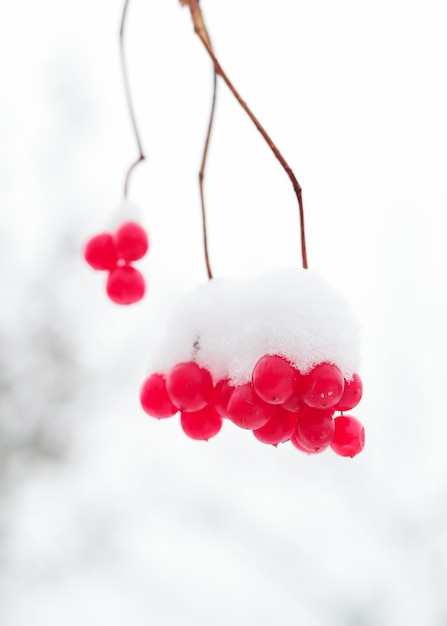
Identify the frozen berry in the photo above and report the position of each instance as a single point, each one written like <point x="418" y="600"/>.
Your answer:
<point x="323" y="386"/>
<point x="352" y="394"/>
<point x="189" y="386"/>
<point x="314" y="428"/>
<point x="131" y="241"/>
<point x="201" y="425"/>
<point x="349" y="436"/>
<point x="247" y="410"/>
<point x="154" y="397"/>
<point x="278" y="429"/>
<point x="273" y="379"/>
<point x="100" y="252"/>
<point x="125" y="285"/>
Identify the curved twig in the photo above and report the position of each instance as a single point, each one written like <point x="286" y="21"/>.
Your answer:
<point x="129" y="102"/>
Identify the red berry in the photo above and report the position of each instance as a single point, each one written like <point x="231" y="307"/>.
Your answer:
<point x="273" y="379"/>
<point x="154" y="397"/>
<point x="125" y="285"/>
<point x="247" y="410"/>
<point x="352" y="394"/>
<point x="279" y="428"/>
<point x="349" y="436"/>
<point x="302" y="448"/>
<point x="100" y="252"/>
<point x="201" y="425"/>
<point x="295" y="402"/>
<point x="221" y="396"/>
<point x="314" y="428"/>
<point x="131" y="241"/>
<point x="189" y="386"/>
<point x="323" y="386"/>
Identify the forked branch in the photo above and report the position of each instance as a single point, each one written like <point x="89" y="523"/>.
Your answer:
<point x="201" y="31"/>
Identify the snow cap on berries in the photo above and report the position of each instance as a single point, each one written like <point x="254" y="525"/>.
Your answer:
<point x="126" y="211"/>
<point x="227" y="324"/>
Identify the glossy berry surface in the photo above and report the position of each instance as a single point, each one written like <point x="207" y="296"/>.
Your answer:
<point x="273" y="379"/>
<point x="323" y="386"/>
<point x="201" y="425"/>
<point x="131" y="242"/>
<point x="314" y="428"/>
<point x="125" y="285"/>
<point x="189" y="386"/>
<point x="154" y="397"/>
<point x="100" y="252"/>
<point x="349" y="436"/>
<point x="352" y="394"/>
<point x="299" y="446"/>
<point x="278" y="429"/>
<point x="247" y="410"/>
<point x="295" y="402"/>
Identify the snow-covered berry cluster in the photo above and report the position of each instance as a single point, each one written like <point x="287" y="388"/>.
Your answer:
<point x="275" y="354"/>
<point x="279" y="404"/>
<point x="115" y="253"/>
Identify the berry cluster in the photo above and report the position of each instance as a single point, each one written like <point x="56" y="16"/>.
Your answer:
<point x="279" y="404"/>
<point x="115" y="253"/>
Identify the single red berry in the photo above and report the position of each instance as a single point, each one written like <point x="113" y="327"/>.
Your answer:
<point x="349" y="436"/>
<point x="295" y="402"/>
<point x="314" y="428"/>
<point x="278" y="429"/>
<point x="201" y="425"/>
<point x="352" y="394"/>
<point x="100" y="252"/>
<point x="189" y="386"/>
<point x="323" y="386"/>
<point x="154" y="397"/>
<point x="132" y="242"/>
<point x="247" y="410"/>
<point x="125" y="285"/>
<point x="273" y="379"/>
<point x="221" y="396"/>
<point x="299" y="446"/>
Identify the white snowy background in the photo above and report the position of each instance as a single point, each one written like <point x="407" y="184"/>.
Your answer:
<point x="108" y="516"/>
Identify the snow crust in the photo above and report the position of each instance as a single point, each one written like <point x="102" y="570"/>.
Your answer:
<point x="227" y="324"/>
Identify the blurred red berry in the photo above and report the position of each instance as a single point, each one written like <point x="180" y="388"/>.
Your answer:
<point x="100" y="252"/>
<point x="131" y="242"/>
<point x="125" y="285"/>
<point x="154" y="397"/>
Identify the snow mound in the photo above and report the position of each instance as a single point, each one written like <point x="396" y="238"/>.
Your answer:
<point x="227" y="324"/>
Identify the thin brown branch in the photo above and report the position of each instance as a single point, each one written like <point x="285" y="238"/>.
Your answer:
<point x="129" y="102"/>
<point x="200" y="29"/>
<point x="202" y="176"/>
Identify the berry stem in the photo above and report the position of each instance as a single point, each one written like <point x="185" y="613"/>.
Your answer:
<point x="129" y="102"/>
<point x="202" y="176"/>
<point x="201" y="31"/>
